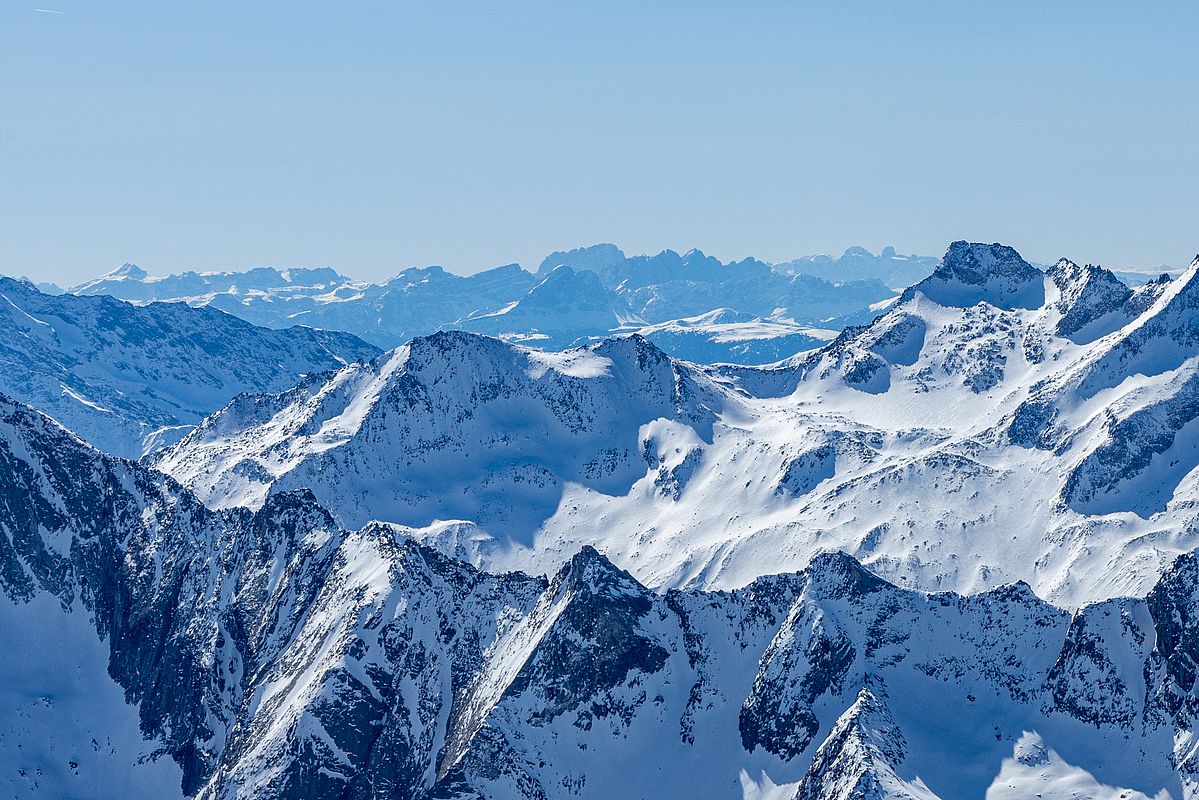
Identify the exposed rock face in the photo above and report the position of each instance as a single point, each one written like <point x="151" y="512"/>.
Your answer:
<point x="977" y="273"/>
<point x="858" y="759"/>
<point x="1089" y="296"/>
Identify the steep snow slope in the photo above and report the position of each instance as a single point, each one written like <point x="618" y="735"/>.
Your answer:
<point x="133" y="378"/>
<point x="996" y="423"/>
<point x="274" y="655"/>
<point x="66" y="730"/>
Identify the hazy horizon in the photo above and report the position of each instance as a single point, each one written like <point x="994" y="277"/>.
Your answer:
<point x="533" y="267"/>
<point x="376" y="137"/>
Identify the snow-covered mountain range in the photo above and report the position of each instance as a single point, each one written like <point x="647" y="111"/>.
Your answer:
<point x="998" y="423"/>
<point x="857" y="263"/>
<point x="576" y="297"/>
<point x="131" y="378"/>
<point x="273" y="654"/>
<point x="950" y="552"/>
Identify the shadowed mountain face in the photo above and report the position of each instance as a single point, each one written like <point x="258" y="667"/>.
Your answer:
<point x="274" y="654"/>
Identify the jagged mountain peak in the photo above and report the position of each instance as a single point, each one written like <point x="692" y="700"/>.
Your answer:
<point x="836" y="574"/>
<point x="410" y="276"/>
<point x="596" y="258"/>
<point x="972" y="273"/>
<point x="450" y="350"/>
<point x="512" y="427"/>
<point x="127" y="270"/>
<point x="511" y="303"/>
<point x="632" y="347"/>
<point x="454" y="351"/>
<point x="1188" y="282"/>
<point x="298" y="506"/>
<point x="591" y="571"/>
<point x="565" y="278"/>
<point x="860" y="757"/>
<point x="975" y="262"/>
<point x="1086" y="295"/>
<point x="562" y="308"/>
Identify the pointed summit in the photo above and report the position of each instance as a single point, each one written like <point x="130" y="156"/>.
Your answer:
<point x="972" y="273"/>
<point x="129" y="272"/>
<point x="1086" y="294"/>
<point x="592" y="572"/>
<point x="835" y="573"/>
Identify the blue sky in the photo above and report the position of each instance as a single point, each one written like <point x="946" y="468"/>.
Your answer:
<point x="375" y="136"/>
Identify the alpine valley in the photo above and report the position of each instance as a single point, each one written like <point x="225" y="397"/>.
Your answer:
<point x="936" y="542"/>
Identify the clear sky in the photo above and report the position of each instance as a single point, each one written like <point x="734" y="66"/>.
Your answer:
<point x="374" y="136"/>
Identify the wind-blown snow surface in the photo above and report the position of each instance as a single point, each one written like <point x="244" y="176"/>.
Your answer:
<point x="131" y="379"/>
<point x="277" y="656"/>
<point x="998" y="423"/>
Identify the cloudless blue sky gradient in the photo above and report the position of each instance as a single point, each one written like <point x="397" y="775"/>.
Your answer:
<point x="374" y="136"/>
